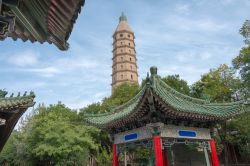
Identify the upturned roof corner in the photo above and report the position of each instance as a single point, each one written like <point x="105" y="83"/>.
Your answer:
<point x="39" y="21"/>
<point x="11" y="109"/>
<point x="166" y="103"/>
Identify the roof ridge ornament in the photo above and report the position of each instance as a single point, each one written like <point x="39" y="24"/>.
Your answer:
<point x="3" y="93"/>
<point x="153" y="70"/>
<point x="123" y="17"/>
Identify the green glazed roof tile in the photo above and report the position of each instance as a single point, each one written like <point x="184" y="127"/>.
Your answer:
<point x="176" y="100"/>
<point x="11" y="103"/>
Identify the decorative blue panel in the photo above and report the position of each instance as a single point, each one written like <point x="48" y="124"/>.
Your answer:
<point x="131" y="137"/>
<point x="186" y="133"/>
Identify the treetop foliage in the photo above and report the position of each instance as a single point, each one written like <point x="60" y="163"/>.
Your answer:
<point x="245" y="31"/>
<point x="218" y="85"/>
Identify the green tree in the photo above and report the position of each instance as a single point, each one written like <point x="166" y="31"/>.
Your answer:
<point x="9" y="153"/>
<point x="239" y="129"/>
<point x="92" y="108"/>
<point x="245" y="31"/>
<point x="219" y="85"/>
<point x="121" y="94"/>
<point x="177" y="83"/>
<point x="52" y="136"/>
<point x="242" y="61"/>
<point x="58" y="139"/>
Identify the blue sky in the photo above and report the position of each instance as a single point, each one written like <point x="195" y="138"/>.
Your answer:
<point x="179" y="37"/>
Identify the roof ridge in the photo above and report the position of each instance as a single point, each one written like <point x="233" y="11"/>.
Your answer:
<point x="19" y="96"/>
<point x="179" y="94"/>
<point x="119" y="108"/>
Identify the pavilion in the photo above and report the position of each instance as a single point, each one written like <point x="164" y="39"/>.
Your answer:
<point x="161" y="116"/>
<point x="39" y="20"/>
<point x="11" y="109"/>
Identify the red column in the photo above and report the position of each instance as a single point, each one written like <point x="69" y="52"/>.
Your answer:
<point x="157" y="150"/>
<point x="214" y="156"/>
<point x="164" y="155"/>
<point x="114" y="156"/>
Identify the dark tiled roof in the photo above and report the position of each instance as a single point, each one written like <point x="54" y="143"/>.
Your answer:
<point x="43" y="21"/>
<point x="11" y="109"/>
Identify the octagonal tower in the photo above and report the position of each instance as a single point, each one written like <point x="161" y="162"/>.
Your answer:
<point x="124" y="68"/>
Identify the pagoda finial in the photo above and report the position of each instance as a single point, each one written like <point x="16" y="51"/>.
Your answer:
<point x="123" y="17"/>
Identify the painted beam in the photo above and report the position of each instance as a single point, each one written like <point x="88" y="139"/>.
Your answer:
<point x="166" y="131"/>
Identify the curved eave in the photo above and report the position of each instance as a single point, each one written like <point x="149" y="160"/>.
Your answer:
<point x="171" y="104"/>
<point x="12" y="103"/>
<point x="117" y="114"/>
<point x="188" y="106"/>
<point x="11" y="109"/>
<point x="42" y="21"/>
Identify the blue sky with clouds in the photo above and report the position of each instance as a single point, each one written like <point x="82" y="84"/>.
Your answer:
<point x="179" y="37"/>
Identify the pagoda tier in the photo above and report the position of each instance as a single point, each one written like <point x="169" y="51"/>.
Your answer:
<point x="124" y="68"/>
<point x="39" y="20"/>
<point x="11" y="109"/>
<point x="158" y="102"/>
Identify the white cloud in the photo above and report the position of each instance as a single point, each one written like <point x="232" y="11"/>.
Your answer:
<point x="46" y="72"/>
<point x="22" y="59"/>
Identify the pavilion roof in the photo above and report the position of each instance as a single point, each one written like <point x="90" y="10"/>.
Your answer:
<point x="157" y="96"/>
<point x="39" y="20"/>
<point x="11" y="109"/>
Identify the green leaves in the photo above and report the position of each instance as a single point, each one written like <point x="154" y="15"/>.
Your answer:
<point x="219" y="85"/>
<point x="177" y="83"/>
<point x="52" y="136"/>
<point x="245" y="31"/>
<point x="242" y="63"/>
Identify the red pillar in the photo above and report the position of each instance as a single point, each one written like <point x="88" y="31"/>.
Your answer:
<point x="114" y="156"/>
<point x="164" y="155"/>
<point x="158" y="150"/>
<point x="214" y="156"/>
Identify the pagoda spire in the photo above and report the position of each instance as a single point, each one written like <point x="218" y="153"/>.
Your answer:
<point x="123" y="17"/>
